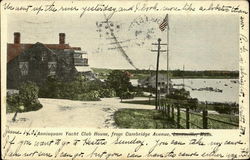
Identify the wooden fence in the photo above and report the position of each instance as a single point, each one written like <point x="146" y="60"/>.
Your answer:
<point x="174" y="111"/>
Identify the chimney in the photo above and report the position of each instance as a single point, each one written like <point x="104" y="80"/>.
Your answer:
<point x="17" y="36"/>
<point x="61" y="38"/>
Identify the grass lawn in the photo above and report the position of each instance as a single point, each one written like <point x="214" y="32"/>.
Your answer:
<point x="154" y="119"/>
<point x="141" y="119"/>
<point x="211" y="123"/>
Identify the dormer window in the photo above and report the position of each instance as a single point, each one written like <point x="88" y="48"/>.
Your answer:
<point x="24" y="68"/>
<point x="44" y="56"/>
<point x="52" y="68"/>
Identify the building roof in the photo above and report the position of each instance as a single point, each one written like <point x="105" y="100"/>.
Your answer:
<point x="83" y="68"/>
<point x="14" y="50"/>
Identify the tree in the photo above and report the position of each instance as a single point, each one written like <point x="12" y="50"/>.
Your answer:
<point x="28" y="93"/>
<point x="14" y="104"/>
<point x="26" y="100"/>
<point x="119" y="81"/>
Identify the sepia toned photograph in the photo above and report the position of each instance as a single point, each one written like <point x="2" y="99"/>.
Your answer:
<point x="123" y="71"/>
<point x="124" y="79"/>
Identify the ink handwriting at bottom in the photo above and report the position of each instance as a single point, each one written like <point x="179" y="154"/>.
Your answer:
<point x="213" y="153"/>
<point x="139" y="142"/>
<point x="8" y="145"/>
<point x="197" y="142"/>
<point x="63" y="144"/>
<point x="171" y="154"/>
<point x="158" y="143"/>
<point x="103" y="154"/>
<point x="133" y="155"/>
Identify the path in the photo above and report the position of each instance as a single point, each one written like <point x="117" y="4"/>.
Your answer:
<point x="68" y="113"/>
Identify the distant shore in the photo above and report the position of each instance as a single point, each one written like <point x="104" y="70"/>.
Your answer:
<point x="176" y="74"/>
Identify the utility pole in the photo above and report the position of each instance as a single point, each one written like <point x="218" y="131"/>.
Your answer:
<point x="183" y="76"/>
<point x="167" y="58"/>
<point x="157" y="69"/>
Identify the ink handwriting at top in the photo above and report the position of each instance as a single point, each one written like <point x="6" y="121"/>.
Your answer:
<point x="223" y="8"/>
<point x="243" y="38"/>
<point x="134" y="7"/>
<point x="242" y="23"/>
<point x="8" y="6"/>
<point x="50" y="7"/>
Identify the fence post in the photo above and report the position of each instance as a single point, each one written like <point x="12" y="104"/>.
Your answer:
<point x="178" y="116"/>
<point x="161" y="102"/>
<point x="165" y="105"/>
<point x="187" y="117"/>
<point x="172" y="112"/>
<point x="204" y="117"/>
<point x="168" y="111"/>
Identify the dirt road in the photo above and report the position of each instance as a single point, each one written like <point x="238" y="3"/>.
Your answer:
<point x="68" y="113"/>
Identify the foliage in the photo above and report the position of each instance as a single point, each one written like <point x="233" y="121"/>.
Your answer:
<point x="226" y="108"/>
<point x="91" y="96"/>
<point x="51" y="88"/>
<point x="193" y="103"/>
<point x="139" y="94"/>
<point x="93" y="85"/>
<point x="127" y="95"/>
<point x="28" y="93"/>
<point x="107" y="93"/>
<point x="180" y="94"/>
<point x="79" y="89"/>
<point x="137" y="74"/>
<point x="205" y="74"/>
<point x="14" y="103"/>
<point x="26" y="100"/>
<point x="119" y="81"/>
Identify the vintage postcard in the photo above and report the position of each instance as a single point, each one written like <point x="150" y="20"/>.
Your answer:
<point x="125" y="80"/>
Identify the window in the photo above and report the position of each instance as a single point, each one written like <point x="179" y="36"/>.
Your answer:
<point x="24" y="68"/>
<point x="52" y="68"/>
<point x="44" y="56"/>
<point x="85" y="61"/>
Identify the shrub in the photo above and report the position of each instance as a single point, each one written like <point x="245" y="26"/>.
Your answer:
<point x="107" y="93"/>
<point x="13" y="103"/>
<point x="93" y="85"/>
<point x="26" y="100"/>
<point x="226" y="108"/>
<point x="127" y="95"/>
<point x="180" y="94"/>
<point x="34" y="107"/>
<point x="91" y="96"/>
<point x="76" y="90"/>
<point x="193" y="103"/>
<point x="28" y="93"/>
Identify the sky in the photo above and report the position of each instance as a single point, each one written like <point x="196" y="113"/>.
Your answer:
<point x="198" y="42"/>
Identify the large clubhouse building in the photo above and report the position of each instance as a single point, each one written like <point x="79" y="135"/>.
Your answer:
<point x="35" y="62"/>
